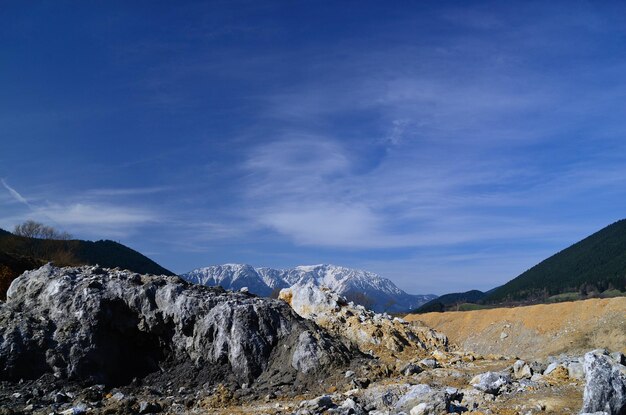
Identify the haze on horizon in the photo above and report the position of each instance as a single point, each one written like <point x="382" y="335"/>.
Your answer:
<point x="444" y="145"/>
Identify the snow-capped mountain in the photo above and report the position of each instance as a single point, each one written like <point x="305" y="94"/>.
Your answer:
<point x="362" y="287"/>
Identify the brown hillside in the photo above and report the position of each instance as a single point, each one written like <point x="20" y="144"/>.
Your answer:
<point x="537" y="330"/>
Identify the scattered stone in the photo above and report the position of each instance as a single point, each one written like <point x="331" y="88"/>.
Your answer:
<point x="320" y="403"/>
<point x="425" y="399"/>
<point x="521" y="370"/>
<point x="429" y="363"/>
<point x="118" y="396"/>
<point x="411" y="369"/>
<point x="491" y="382"/>
<point x="551" y="367"/>
<point x="350" y="407"/>
<point x="537" y="377"/>
<point x="360" y="383"/>
<point x="78" y="409"/>
<point x="576" y="370"/>
<point x="538" y="367"/>
<point x="149" y="407"/>
<point x="349" y="374"/>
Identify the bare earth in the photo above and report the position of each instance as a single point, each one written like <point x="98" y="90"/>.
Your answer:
<point x="536" y="331"/>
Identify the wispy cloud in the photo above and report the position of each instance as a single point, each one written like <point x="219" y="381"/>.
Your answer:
<point x="84" y="214"/>
<point x="111" y="192"/>
<point x="15" y="194"/>
<point x="96" y="215"/>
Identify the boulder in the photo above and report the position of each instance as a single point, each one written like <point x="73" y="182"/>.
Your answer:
<point x="109" y="326"/>
<point x="426" y="399"/>
<point x="491" y="382"/>
<point x="605" y="388"/>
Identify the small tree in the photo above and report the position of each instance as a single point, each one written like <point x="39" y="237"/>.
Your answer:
<point x="37" y="230"/>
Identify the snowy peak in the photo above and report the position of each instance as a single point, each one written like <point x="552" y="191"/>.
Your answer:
<point x="362" y="287"/>
<point x="229" y="276"/>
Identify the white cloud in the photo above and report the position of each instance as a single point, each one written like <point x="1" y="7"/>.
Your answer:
<point x="97" y="215"/>
<point x="83" y="214"/>
<point x="326" y="225"/>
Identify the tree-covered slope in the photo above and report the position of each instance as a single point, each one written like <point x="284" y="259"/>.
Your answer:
<point x="595" y="264"/>
<point x="447" y="301"/>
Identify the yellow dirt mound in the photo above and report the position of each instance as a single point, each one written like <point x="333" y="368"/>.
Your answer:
<point x="535" y="331"/>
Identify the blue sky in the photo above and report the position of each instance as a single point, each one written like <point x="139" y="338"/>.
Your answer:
<point x="445" y="145"/>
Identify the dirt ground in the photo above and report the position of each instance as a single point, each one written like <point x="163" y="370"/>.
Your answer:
<point x="536" y="331"/>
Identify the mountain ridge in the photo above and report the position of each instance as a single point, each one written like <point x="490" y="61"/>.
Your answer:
<point x="363" y="287"/>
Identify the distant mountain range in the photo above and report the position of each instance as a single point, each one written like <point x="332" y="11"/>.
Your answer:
<point x="18" y="254"/>
<point x="362" y="287"/>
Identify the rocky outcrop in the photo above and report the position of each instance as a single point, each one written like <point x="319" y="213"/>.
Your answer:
<point x="605" y="388"/>
<point x="369" y="331"/>
<point x="110" y="326"/>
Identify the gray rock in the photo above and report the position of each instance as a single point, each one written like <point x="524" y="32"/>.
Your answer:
<point x="78" y="409"/>
<point x="551" y="368"/>
<point x="491" y="382"/>
<point x="149" y="407"/>
<point x="537" y="377"/>
<point x="429" y="363"/>
<point x="619" y="358"/>
<point x="311" y="352"/>
<point x="411" y="369"/>
<point x="538" y="367"/>
<point x="383" y="396"/>
<point x="318" y="404"/>
<point x="605" y="388"/>
<point x="118" y="396"/>
<point x="110" y="326"/>
<point x="425" y="399"/>
<point x="349" y="407"/>
<point x="576" y="370"/>
<point x="521" y="370"/>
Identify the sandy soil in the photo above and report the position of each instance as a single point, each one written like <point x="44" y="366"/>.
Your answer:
<point x="536" y="331"/>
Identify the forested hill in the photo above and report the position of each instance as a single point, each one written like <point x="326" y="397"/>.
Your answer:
<point x="593" y="265"/>
<point x="18" y="253"/>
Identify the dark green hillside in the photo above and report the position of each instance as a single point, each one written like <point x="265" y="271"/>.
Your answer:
<point x="595" y="264"/>
<point x="450" y="301"/>
<point x="110" y="254"/>
<point x="18" y="254"/>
